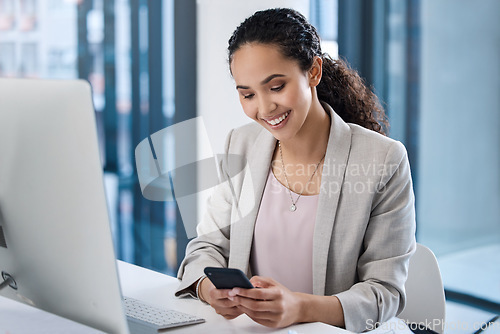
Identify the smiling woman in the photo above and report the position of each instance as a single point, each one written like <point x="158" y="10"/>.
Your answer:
<point x="272" y="86"/>
<point x="325" y="258"/>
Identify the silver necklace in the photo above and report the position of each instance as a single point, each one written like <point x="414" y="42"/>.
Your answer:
<point x="293" y="207"/>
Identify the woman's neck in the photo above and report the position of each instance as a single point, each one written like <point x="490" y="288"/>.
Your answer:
<point x="310" y="143"/>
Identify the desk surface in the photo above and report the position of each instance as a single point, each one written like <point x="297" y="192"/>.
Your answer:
<point x="153" y="288"/>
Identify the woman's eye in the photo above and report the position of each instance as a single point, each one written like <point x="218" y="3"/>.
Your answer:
<point x="277" y="89"/>
<point x="248" y="96"/>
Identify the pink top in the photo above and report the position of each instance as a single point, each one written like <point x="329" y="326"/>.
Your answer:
<point x="283" y="240"/>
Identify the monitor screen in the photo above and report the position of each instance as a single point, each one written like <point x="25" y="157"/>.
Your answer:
<point x="55" y="237"/>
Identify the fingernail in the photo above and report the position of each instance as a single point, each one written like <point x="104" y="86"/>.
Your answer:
<point x="230" y="298"/>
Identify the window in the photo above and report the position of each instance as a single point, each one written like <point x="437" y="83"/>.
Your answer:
<point x="434" y="65"/>
<point x="459" y="157"/>
<point x="442" y="98"/>
<point x="324" y="16"/>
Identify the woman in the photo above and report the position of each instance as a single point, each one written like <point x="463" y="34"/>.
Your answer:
<point x="332" y="229"/>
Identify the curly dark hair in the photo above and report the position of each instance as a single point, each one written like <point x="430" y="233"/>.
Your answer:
<point x="341" y="86"/>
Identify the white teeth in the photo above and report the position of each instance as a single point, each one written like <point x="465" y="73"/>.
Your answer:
<point x="278" y="120"/>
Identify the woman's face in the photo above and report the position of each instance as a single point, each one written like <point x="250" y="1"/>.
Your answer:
<point x="273" y="90"/>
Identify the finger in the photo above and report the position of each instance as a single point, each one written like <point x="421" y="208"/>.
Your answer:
<point x="270" y="293"/>
<point x="218" y="294"/>
<point x="225" y="303"/>
<point x="258" y="305"/>
<point x="259" y="316"/>
<point x="229" y="313"/>
<point x="262" y="282"/>
<point x="274" y="322"/>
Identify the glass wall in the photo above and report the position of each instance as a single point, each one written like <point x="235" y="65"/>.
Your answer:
<point x="324" y="16"/>
<point x="443" y="85"/>
<point x="459" y="155"/>
<point x="38" y="39"/>
<point x="435" y="66"/>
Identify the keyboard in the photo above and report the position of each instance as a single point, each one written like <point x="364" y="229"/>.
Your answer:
<point x="144" y="314"/>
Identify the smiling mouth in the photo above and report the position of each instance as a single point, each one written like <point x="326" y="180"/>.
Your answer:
<point x="277" y="120"/>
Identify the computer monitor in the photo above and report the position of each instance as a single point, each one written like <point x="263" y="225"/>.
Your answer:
<point x="55" y="237"/>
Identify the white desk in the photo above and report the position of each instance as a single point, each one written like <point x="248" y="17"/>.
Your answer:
<point x="153" y="288"/>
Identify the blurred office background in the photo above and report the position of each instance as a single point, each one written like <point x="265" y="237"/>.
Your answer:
<point x="435" y="64"/>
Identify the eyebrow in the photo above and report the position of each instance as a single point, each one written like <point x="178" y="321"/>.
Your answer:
<point x="263" y="82"/>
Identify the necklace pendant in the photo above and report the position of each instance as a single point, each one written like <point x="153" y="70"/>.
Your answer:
<point x="293" y="207"/>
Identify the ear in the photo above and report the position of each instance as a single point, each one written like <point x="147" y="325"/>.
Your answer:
<point x="315" y="72"/>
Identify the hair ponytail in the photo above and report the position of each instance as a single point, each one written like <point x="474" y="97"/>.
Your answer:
<point x="345" y="91"/>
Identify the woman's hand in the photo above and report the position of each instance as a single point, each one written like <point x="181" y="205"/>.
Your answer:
<point x="271" y="305"/>
<point x="218" y="299"/>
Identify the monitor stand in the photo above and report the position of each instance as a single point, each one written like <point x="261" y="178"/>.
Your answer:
<point x="8" y="281"/>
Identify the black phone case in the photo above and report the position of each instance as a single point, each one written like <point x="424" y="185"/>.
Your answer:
<point x="227" y="278"/>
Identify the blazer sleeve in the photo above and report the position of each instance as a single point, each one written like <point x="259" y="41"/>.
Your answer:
<point x="388" y="244"/>
<point x="211" y="246"/>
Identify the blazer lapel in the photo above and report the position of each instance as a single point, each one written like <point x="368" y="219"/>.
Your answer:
<point x="336" y="158"/>
<point x="259" y="159"/>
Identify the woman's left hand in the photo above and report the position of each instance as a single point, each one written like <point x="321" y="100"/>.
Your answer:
<point x="271" y="305"/>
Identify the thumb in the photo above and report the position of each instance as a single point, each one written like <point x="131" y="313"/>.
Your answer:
<point x="262" y="282"/>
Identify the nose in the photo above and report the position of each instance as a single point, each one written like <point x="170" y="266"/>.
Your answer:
<point x="266" y="105"/>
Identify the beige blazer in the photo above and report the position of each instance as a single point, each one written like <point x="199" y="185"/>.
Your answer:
<point x="365" y="222"/>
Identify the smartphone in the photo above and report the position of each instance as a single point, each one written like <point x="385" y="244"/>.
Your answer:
<point x="227" y="278"/>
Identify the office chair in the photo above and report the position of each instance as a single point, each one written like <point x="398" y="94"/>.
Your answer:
<point x="425" y="300"/>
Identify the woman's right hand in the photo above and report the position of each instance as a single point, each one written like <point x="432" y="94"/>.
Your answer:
<point x="218" y="299"/>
